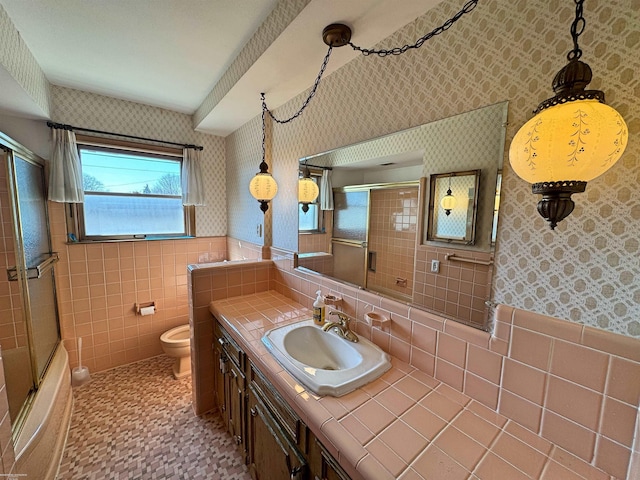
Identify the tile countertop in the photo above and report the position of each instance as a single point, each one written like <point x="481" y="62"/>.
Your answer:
<point x="405" y="424"/>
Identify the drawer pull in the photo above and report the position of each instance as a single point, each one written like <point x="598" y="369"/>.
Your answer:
<point x="223" y="363"/>
<point x="253" y="412"/>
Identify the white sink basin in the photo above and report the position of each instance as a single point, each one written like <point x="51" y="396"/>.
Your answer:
<point x="325" y="363"/>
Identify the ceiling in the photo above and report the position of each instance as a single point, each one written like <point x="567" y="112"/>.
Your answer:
<point x="172" y="53"/>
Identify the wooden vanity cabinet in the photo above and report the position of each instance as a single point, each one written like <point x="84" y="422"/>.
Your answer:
<point x="230" y="387"/>
<point x="272" y="453"/>
<point x="218" y="371"/>
<point x="276" y="444"/>
<point x="322" y="464"/>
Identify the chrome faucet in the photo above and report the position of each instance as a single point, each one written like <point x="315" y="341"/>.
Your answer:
<point x="341" y="327"/>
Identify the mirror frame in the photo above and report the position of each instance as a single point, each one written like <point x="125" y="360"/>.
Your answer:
<point x="434" y="202"/>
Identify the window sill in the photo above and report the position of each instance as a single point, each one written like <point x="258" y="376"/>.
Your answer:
<point x="120" y="240"/>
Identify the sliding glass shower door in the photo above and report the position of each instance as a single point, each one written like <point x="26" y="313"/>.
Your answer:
<point x="38" y="260"/>
<point x="35" y="328"/>
<point x="350" y="232"/>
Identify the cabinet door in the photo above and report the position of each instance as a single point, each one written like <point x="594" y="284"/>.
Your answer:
<point x="331" y="470"/>
<point x="234" y="393"/>
<point x="272" y="455"/>
<point x="218" y="378"/>
<point x="323" y="465"/>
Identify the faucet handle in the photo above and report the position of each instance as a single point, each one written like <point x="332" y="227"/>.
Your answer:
<point x="344" y="319"/>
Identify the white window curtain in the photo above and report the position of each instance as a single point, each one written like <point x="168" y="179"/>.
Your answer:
<point x="326" y="192"/>
<point x="191" y="177"/>
<point x="65" y="174"/>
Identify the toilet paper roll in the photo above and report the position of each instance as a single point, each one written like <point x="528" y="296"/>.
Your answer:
<point x="147" y="310"/>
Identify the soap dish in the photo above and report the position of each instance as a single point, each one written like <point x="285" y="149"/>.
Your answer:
<point x="332" y="300"/>
<point x="376" y="320"/>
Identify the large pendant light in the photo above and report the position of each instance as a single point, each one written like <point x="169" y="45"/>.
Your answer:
<point x="263" y="186"/>
<point x="573" y="138"/>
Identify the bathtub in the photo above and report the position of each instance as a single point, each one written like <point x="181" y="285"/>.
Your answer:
<point x="40" y="444"/>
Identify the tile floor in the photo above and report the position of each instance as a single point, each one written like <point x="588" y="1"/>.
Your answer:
<point x="136" y="422"/>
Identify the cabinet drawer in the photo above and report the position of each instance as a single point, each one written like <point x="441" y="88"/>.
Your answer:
<point x="279" y="408"/>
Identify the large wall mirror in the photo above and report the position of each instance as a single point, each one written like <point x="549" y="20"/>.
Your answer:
<point x="411" y="215"/>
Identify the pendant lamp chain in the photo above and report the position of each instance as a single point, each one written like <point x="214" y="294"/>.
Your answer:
<point x="577" y="27"/>
<point x="468" y="7"/>
<point x="338" y="35"/>
<point x="262" y="186"/>
<point x="316" y="84"/>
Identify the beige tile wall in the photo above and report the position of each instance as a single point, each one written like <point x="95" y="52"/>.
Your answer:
<point x="317" y="242"/>
<point x="392" y="236"/>
<point x="7" y="454"/>
<point x="458" y="289"/>
<point x="574" y="385"/>
<point x="318" y="262"/>
<point x="241" y="250"/>
<point x="314" y="242"/>
<point x="12" y="329"/>
<point x="99" y="284"/>
<point x="210" y="283"/>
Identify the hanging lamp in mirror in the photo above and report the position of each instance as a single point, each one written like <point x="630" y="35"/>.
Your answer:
<point x="307" y="190"/>
<point x="573" y="138"/>
<point x="448" y="202"/>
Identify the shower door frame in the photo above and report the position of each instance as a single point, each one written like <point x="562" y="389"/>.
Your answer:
<point x="370" y="256"/>
<point x="12" y="148"/>
<point x="363" y="244"/>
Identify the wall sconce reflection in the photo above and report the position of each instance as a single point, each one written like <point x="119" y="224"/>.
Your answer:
<point x="448" y="202"/>
<point x="307" y="190"/>
<point x="457" y="195"/>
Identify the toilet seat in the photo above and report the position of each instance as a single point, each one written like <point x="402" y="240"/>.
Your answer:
<point x="180" y="334"/>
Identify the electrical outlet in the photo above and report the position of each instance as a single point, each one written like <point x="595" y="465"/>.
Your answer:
<point x="435" y="266"/>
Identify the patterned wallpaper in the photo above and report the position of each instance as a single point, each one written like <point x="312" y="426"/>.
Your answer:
<point x="16" y="58"/>
<point x="588" y="270"/>
<point x="243" y="155"/>
<point x="98" y="112"/>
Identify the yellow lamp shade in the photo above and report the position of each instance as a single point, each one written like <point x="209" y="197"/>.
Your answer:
<point x="307" y="190"/>
<point x="263" y="187"/>
<point x="577" y="140"/>
<point x="448" y="202"/>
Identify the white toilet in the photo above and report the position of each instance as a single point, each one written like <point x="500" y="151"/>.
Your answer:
<point x="176" y="343"/>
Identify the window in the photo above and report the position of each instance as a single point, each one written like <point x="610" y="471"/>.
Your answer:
<point x="310" y="221"/>
<point x="131" y="194"/>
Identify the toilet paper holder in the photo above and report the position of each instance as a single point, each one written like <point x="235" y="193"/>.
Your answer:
<point x="144" y="308"/>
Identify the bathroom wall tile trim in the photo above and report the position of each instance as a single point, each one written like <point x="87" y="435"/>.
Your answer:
<point x="573" y="385"/>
